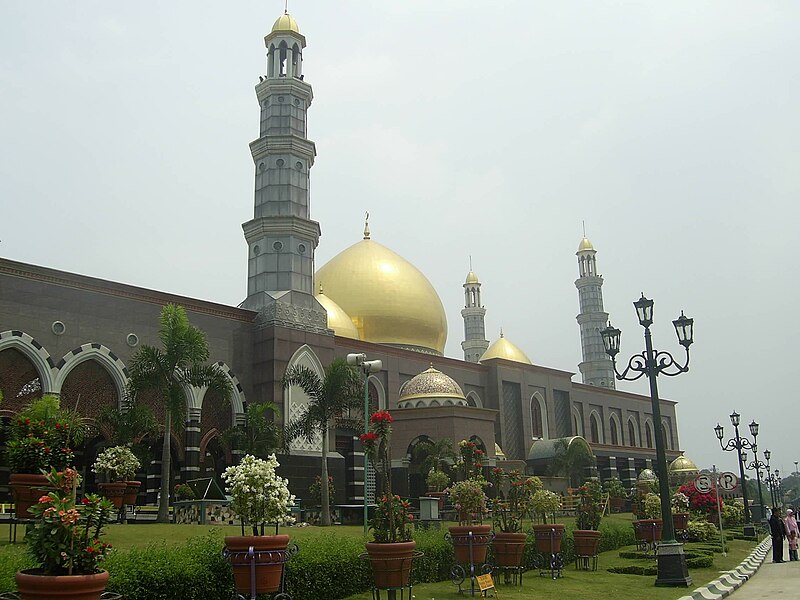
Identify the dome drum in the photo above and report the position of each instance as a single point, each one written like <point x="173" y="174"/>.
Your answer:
<point x="431" y="388"/>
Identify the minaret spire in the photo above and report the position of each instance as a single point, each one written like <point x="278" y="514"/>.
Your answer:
<point x="281" y="236"/>
<point x="475" y="342"/>
<point x="366" y="226"/>
<point x="596" y="367"/>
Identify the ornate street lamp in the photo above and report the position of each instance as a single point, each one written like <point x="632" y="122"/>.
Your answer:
<point x="738" y="443"/>
<point x="758" y="466"/>
<point x="770" y="479"/>
<point x="366" y="367"/>
<point x="651" y="363"/>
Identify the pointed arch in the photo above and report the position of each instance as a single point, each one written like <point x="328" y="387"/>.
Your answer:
<point x="35" y="352"/>
<point x="666" y="432"/>
<point x="538" y="416"/>
<point x="102" y="355"/>
<point x="295" y="400"/>
<point x="595" y="428"/>
<point x="648" y="434"/>
<point x="633" y="432"/>
<point x="237" y="398"/>
<point x="577" y="421"/>
<point x="381" y="391"/>
<point x="614" y="429"/>
<point x="474" y="400"/>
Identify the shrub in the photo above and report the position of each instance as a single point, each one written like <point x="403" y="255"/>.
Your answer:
<point x="437" y="480"/>
<point x="701" y="531"/>
<point x="614" y="488"/>
<point x="545" y="502"/>
<point x="117" y="463"/>
<point x="732" y="513"/>
<point x="652" y="506"/>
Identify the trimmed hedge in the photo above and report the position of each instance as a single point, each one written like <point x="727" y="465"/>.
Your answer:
<point x="696" y="562"/>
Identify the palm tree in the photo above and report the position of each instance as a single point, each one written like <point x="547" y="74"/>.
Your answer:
<point x="180" y="363"/>
<point x="330" y="398"/>
<point x="260" y="435"/>
<point x="573" y="459"/>
<point x="130" y="425"/>
<point x="437" y="455"/>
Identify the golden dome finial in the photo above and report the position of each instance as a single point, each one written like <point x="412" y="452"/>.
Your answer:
<point x="501" y="332"/>
<point x="320" y="289"/>
<point x="366" y="226"/>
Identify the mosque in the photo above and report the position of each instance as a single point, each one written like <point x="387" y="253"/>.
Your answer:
<point x="72" y="335"/>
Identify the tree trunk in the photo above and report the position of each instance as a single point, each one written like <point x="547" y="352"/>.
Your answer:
<point x="325" y="518"/>
<point x="166" y="458"/>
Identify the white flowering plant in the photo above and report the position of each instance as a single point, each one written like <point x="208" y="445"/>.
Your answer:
<point x="258" y="494"/>
<point x="117" y="463"/>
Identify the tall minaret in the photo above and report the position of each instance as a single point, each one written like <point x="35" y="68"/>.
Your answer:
<point x="281" y="237"/>
<point x="475" y="342"/>
<point x="596" y="367"/>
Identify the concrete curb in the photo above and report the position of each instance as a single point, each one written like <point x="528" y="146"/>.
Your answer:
<point x="734" y="579"/>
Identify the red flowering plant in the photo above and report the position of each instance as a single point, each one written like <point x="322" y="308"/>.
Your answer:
<point x="703" y="503"/>
<point x="514" y="493"/>
<point x="41" y="437"/>
<point x="393" y="519"/>
<point x="470" y="460"/>
<point x="590" y="509"/>
<point x="65" y="539"/>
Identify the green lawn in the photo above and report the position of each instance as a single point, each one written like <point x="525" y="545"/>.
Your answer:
<point x="598" y="584"/>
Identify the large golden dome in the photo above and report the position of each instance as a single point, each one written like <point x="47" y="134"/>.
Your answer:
<point x="389" y="300"/>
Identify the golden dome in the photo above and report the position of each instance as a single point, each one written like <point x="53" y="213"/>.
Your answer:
<point x="585" y="245"/>
<point x="683" y="465"/>
<point x="502" y="348"/>
<point x="338" y="320"/>
<point x="431" y="383"/>
<point x="286" y="22"/>
<point x="647" y="475"/>
<point x="388" y="299"/>
<point x="471" y="278"/>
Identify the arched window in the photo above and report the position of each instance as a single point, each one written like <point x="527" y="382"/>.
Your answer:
<point x="614" y="432"/>
<point x="648" y="434"/>
<point x="536" y="419"/>
<point x="631" y="433"/>
<point x="595" y="429"/>
<point x="667" y="437"/>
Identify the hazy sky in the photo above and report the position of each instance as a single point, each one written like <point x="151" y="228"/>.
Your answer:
<point x="485" y="128"/>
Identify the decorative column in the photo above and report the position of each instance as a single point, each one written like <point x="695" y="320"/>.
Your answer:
<point x="191" y="451"/>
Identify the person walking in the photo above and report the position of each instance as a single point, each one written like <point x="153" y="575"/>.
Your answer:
<point x="778" y="531"/>
<point x="792" y="533"/>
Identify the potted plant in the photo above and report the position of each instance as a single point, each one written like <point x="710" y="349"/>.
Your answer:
<point x="184" y="492"/>
<point x="548" y="535"/>
<point x="616" y="493"/>
<point x="587" y="521"/>
<point x="680" y="510"/>
<point x="41" y="438"/>
<point x="258" y="496"/>
<point x="65" y="541"/>
<point x="649" y="528"/>
<point x="469" y="500"/>
<point x="392" y="549"/>
<point x="118" y="466"/>
<point x="437" y="484"/>
<point x="513" y="496"/>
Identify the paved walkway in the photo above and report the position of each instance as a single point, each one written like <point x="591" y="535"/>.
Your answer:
<point x="772" y="580"/>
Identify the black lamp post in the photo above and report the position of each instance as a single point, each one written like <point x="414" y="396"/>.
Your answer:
<point x="756" y="465"/>
<point x="770" y="479"/>
<point x="778" y="488"/>
<point x="672" y="570"/>
<point x="738" y="443"/>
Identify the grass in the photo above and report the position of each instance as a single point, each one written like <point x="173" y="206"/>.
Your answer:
<point x="598" y="584"/>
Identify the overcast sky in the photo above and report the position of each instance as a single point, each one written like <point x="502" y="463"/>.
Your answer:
<point x="485" y="128"/>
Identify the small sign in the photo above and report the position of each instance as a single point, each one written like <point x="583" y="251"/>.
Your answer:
<point x="728" y="481"/>
<point x="703" y="483"/>
<point x="485" y="582"/>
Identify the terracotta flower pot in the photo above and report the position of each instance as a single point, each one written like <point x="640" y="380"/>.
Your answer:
<point x="268" y="556"/>
<point x="617" y="504"/>
<point x="481" y="537"/>
<point x="131" y="492"/>
<point x="648" y="530"/>
<point x="113" y="491"/>
<point x="391" y="563"/>
<point x="680" y="520"/>
<point x="548" y="537"/>
<point x="586" y="542"/>
<point x="26" y="489"/>
<point x="32" y="586"/>
<point x="509" y="549"/>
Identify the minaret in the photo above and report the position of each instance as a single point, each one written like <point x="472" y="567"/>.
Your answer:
<point x="281" y="237"/>
<point x="475" y="342"/>
<point x="596" y="367"/>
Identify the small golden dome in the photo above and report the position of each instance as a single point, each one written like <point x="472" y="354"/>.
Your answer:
<point x="388" y="299"/>
<point x="286" y="22"/>
<point x="471" y="278"/>
<point x="585" y="245"/>
<point x="338" y="320"/>
<point x="502" y="348"/>
<point x="683" y="465"/>
<point x="431" y="383"/>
